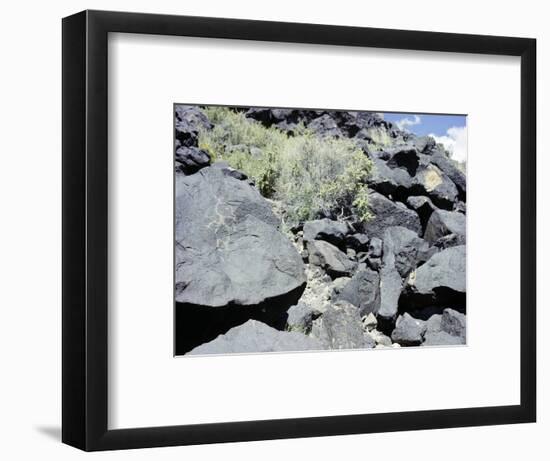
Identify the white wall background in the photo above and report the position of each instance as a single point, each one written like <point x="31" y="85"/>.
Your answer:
<point x="30" y="243"/>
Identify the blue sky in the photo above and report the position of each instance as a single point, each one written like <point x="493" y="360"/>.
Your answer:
<point x="449" y="130"/>
<point x="428" y="124"/>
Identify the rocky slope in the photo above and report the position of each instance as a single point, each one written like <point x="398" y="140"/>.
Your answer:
<point x="244" y="283"/>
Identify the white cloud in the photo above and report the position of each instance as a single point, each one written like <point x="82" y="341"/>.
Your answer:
<point x="456" y="142"/>
<point x="405" y="122"/>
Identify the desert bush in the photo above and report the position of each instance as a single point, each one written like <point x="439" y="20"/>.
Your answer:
<point x="311" y="176"/>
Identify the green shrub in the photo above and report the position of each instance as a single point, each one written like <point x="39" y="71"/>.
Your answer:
<point x="308" y="174"/>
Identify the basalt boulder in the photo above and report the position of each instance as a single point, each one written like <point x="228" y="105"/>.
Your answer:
<point x="408" y="331"/>
<point x="363" y="291"/>
<point x="440" y="281"/>
<point x="325" y="229"/>
<point x="388" y="213"/>
<point x="443" y="223"/>
<point x="189" y="160"/>
<point x="255" y="337"/>
<point x="328" y="257"/>
<point x="229" y="249"/>
<point x="340" y="327"/>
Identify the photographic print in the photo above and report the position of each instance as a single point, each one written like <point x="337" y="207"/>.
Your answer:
<point x="314" y="230"/>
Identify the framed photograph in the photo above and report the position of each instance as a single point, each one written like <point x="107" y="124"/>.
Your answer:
<point x="279" y="230"/>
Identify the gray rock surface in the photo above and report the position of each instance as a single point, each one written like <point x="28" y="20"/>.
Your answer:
<point x="300" y="317"/>
<point x="330" y="258"/>
<point x="325" y="229"/>
<point x="362" y="291"/>
<point x="403" y="249"/>
<point x="437" y="185"/>
<point x="387" y="213"/>
<point x="441" y="338"/>
<point x="445" y="329"/>
<point x="340" y="328"/>
<point x="423" y="206"/>
<point x="228" y="246"/>
<point x="390" y="290"/>
<point x="443" y="223"/>
<point x="191" y="159"/>
<point x="189" y="120"/>
<point x="445" y="269"/>
<point x="389" y="181"/>
<point x="454" y="323"/>
<point x="408" y="331"/>
<point x="253" y="337"/>
<point x="358" y="242"/>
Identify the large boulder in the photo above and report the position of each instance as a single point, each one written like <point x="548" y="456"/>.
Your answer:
<point x="253" y="337"/>
<point x="404" y="249"/>
<point x="189" y="160"/>
<point x="447" y="166"/>
<point x="391" y="285"/>
<point x="430" y="180"/>
<point x="445" y="329"/>
<point x="441" y="281"/>
<point x="444" y="269"/>
<point x="408" y="331"/>
<point x="443" y="223"/>
<point x="454" y="323"/>
<point x="357" y="241"/>
<point x="340" y="327"/>
<point x="189" y="120"/>
<point x="423" y="206"/>
<point x="300" y="317"/>
<point x="362" y="291"/>
<point x="325" y="126"/>
<point x="441" y="338"/>
<point x="394" y="182"/>
<point x="387" y="213"/>
<point x="404" y="157"/>
<point x="328" y="257"/>
<point x="325" y="229"/>
<point x="228" y="246"/>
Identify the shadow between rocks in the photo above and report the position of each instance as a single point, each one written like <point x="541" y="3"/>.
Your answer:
<point x="196" y="324"/>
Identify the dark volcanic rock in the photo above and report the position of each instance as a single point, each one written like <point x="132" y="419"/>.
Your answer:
<point x="188" y="122"/>
<point x="395" y="182"/>
<point x="228" y="247"/>
<point x="454" y="323"/>
<point x="325" y="229"/>
<point x="391" y="285"/>
<point x="441" y="281"/>
<point x="330" y="258"/>
<point x="447" y="166"/>
<point x="403" y="249"/>
<point x="430" y="180"/>
<point x="340" y="327"/>
<point x="440" y="338"/>
<point x="423" y="206"/>
<point x="451" y="240"/>
<point x="445" y="330"/>
<point x="325" y="126"/>
<point x="443" y="223"/>
<point x="189" y="160"/>
<point x="405" y="157"/>
<point x="387" y="213"/>
<point x="362" y="291"/>
<point x="254" y="336"/>
<point x="375" y="247"/>
<point x="358" y="242"/>
<point x="300" y="317"/>
<point x="408" y="331"/>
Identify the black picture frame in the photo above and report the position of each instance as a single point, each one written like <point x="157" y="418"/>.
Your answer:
<point x="85" y="219"/>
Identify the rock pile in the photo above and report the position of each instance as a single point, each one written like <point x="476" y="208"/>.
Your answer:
<point x="242" y="284"/>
